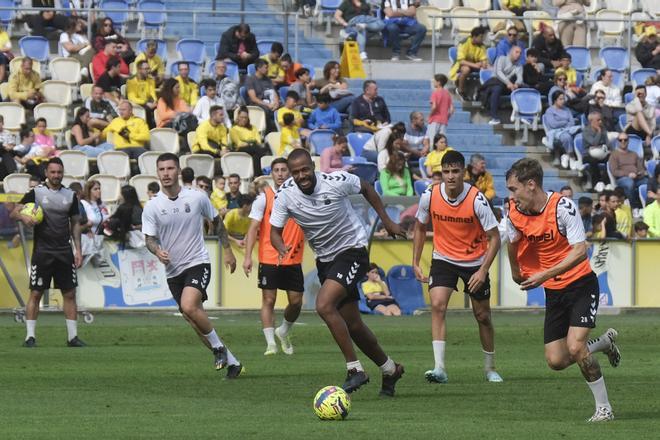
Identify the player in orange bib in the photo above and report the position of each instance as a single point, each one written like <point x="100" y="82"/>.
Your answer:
<point x="465" y="242"/>
<point x="547" y="247"/>
<point x="285" y="274"/>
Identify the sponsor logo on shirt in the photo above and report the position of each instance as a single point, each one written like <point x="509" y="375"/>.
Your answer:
<point x="546" y="236"/>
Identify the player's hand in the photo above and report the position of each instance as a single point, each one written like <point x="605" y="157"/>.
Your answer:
<point x="419" y="274"/>
<point x="534" y="281"/>
<point x="230" y="260"/>
<point x="28" y="221"/>
<point x="77" y="259"/>
<point x="163" y="256"/>
<point x="282" y="253"/>
<point x="247" y="265"/>
<point x="394" y="229"/>
<point x="477" y="280"/>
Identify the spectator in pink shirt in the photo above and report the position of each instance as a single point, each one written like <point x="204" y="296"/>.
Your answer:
<point x="331" y="158"/>
<point x="442" y="107"/>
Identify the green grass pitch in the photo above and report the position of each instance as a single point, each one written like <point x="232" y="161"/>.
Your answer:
<point x="146" y="376"/>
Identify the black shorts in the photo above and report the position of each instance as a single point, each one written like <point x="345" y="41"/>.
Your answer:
<point x="198" y="277"/>
<point x="445" y="274"/>
<point x="573" y="306"/>
<point x="289" y="278"/>
<point x="59" y="268"/>
<point x="348" y="268"/>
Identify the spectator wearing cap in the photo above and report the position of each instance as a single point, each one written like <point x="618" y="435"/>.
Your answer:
<point x="470" y="57"/>
<point x="211" y="135"/>
<point x="239" y="45"/>
<point x="156" y="64"/>
<point x="400" y="19"/>
<point x="647" y="50"/>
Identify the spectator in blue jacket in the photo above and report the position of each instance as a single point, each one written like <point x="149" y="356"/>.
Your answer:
<point x="504" y="46"/>
<point x="324" y="116"/>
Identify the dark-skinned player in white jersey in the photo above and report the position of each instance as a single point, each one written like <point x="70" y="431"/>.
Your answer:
<point x="319" y="203"/>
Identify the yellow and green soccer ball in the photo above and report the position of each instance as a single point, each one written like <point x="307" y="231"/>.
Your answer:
<point x="332" y="403"/>
<point x="34" y="211"/>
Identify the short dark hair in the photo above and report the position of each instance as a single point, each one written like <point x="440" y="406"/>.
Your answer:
<point x="640" y="86"/>
<point x="243" y="27"/>
<point x="585" y="201"/>
<point x="260" y="63"/>
<point x="298" y="153"/>
<point x="300" y="72"/>
<point x="640" y="226"/>
<point x="324" y="98"/>
<point x="367" y="83"/>
<point x="277" y="48"/>
<point x="244" y="199"/>
<point x="168" y="156"/>
<point x="479" y="30"/>
<point x="278" y="160"/>
<point x="288" y="118"/>
<point x="453" y="157"/>
<point x="205" y="180"/>
<point x="286" y="57"/>
<point x="154" y="187"/>
<point x="555" y="96"/>
<point x="533" y="52"/>
<point x="565" y="56"/>
<point x="209" y="83"/>
<point x="215" y="108"/>
<point x="111" y="63"/>
<point x="234" y="175"/>
<point x="526" y="169"/>
<point x="619" y="192"/>
<point x="73" y="186"/>
<point x="565" y="187"/>
<point x="187" y="175"/>
<point x="142" y="63"/>
<point x="441" y="78"/>
<point x="56" y="161"/>
<point x="293" y="94"/>
<point x="182" y="63"/>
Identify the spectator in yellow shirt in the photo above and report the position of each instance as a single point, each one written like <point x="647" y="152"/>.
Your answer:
<point x="218" y="196"/>
<point x="470" y="57"/>
<point x="476" y="174"/>
<point x="141" y="90"/>
<point x="275" y="71"/>
<point x="623" y="214"/>
<point x="289" y="135"/>
<point x="378" y="296"/>
<point x="246" y="138"/>
<point x="25" y="85"/>
<point x="290" y="106"/>
<point x="237" y="220"/>
<point x="156" y="64"/>
<point x="434" y="158"/>
<point x="211" y="135"/>
<point x="130" y="133"/>
<point x="189" y="90"/>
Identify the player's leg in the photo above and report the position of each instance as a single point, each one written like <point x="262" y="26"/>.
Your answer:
<point x="268" y="297"/>
<point x="291" y="314"/>
<point x="555" y="329"/>
<point x="367" y="342"/>
<point x="577" y="347"/>
<point x="606" y="343"/>
<point x="439" y="296"/>
<point x="481" y="310"/>
<point x="327" y="300"/>
<point x="70" y="309"/>
<point x="31" y="315"/>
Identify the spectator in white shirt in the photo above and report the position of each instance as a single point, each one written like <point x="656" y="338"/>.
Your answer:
<point x="204" y="104"/>
<point x="74" y="44"/>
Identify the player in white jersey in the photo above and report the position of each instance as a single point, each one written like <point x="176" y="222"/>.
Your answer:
<point x="172" y="224"/>
<point x="319" y="203"/>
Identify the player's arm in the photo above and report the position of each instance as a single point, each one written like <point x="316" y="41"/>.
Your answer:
<point x="513" y="262"/>
<point x="153" y="245"/>
<point x="369" y="193"/>
<point x="250" y="240"/>
<point x="223" y="238"/>
<point x="494" y="243"/>
<point x="419" y="237"/>
<point x="277" y="241"/>
<point x="76" y="232"/>
<point x="577" y="254"/>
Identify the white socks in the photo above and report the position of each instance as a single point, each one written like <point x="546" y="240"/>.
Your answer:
<point x="600" y="393"/>
<point x="439" y="354"/>
<point x="231" y="359"/>
<point x="269" y="333"/>
<point x="489" y="360"/>
<point x="30" y="325"/>
<point x="354" y="365"/>
<point x="71" y="328"/>
<point x="601" y="343"/>
<point x="213" y="339"/>
<point x="285" y="327"/>
<point x="389" y="367"/>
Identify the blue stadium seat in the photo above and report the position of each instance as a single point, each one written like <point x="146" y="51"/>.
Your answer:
<point x="580" y="58"/>
<point x="622" y="122"/>
<point x="526" y="105"/>
<point x="7" y="15"/>
<point x="643" y="188"/>
<point x="655" y="145"/>
<point x="35" y="47"/>
<point x="422" y="168"/>
<point x="485" y="75"/>
<point x="618" y="77"/>
<point x="283" y="91"/>
<point x="153" y="15"/>
<point x="651" y="164"/>
<point x="578" y="146"/>
<point x="366" y="171"/>
<point x="119" y="17"/>
<point x="614" y="58"/>
<point x="264" y="46"/>
<point x="195" y="70"/>
<point x="251" y="70"/>
<point x="232" y="70"/>
<point x="362" y="303"/>
<point x="352" y="160"/>
<point x="451" y="53"/>
<point x="161" y="47"/>
<point x="420" y="186"/>
<point x="405" y="289"/>
<point x="640" y="75"/>
<point x="378" y="187"/>
<point x="320" y="140"/>
<point x="357" y="140"/>
<point x="190" y="49"/>
<point x="243" y="92"/>
<point x="636" y="144"/>
<point x="490" y="53"/>
<point x="628" y="97"/>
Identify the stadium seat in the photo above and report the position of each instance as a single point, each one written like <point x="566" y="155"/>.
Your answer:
<point x="282" y="91"/>
<point x="321" y="139"/>
<point x="327" y="11"/>
<point x="86" y="91"/>
<point x="356" y="142"/>
<point x="161" y="47"/>
<point x="627" y="97"/>
<point x="191" y="49"/>
<point x="580" y="58"/>
<point x="18" y="183"/>
<point x="76" y="163"/>
<point x="116" y="163"/>
<point x="533" y="20"/>
<point x="140" y="183"/>
<point x="139" y="111"/>
<point x="625" y="6"/>
<point x="7" y="15"/>
<point x="239" y="163"/>
<point x="526" y="104"/>
<point x="65" y="69"/>
<point x="609" y="173"/>
<point x="405" y="289"/>
<point x="639" y="76"/>
<point x="195" y="70"/>
<point x="55" y="115"/>
<point x="623" y="121"/>
<point x="273" y="141"/>
<point x="650" y="167"/>
<point x="251" y="69"/>
<point x="480" y="6"/>
<point x="643" y="189"/>
<point x="152" y="17"/>
<point x="164" y="140"/>
<point x="636" y="144"/>
<point x="490" y="53"/>
<point x="67" y="180"/>
<point x="617" y="77"/>
<point x="422" y="168"/>
<point x="191" y="137"/>
<point x="35" y="47"/>
<point x="498" y="19"/>
<point x="56" y="92"/>
<point x="350" y="160"/>
<point x="485" y="75"/>
<point x="420" y="186"/>
<point x="265" y="163"/>
<point x="264" y="46"/>
<point x="655" y="146"/>
<point x="378" y="187"/>
<point x="232" y="70"/>
<point x="15" y="65"/>
<point x="117" y="11"/>
<point x="424" y="14"/>
<point x="202" y="164"/>
<point x="614" y="58"/>
<point x="578" y="146"/>
<point x="610" y="29"/>
<point x="443" y="5"/>
<point x="13" y="114"/>
<point x="147" y="162"/>
<point x="461" y="23"/>
<point x="110" y="187"/>
<point x="362" y="303"/>
<point x="366" y="171"/>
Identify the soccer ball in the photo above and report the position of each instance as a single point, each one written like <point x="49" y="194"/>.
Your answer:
<point x="332" y="403"/>
<point x="34" y="211"/>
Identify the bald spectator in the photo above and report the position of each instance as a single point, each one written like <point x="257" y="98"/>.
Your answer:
<point x="130" y="133"/>
<point x="25" y="85"/>
<point x="550" y="48"/>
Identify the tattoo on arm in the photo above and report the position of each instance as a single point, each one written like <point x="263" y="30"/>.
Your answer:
<point x="590" y="368"/>
<point x="152" y="244"/>
<point x="221" y="232"/>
